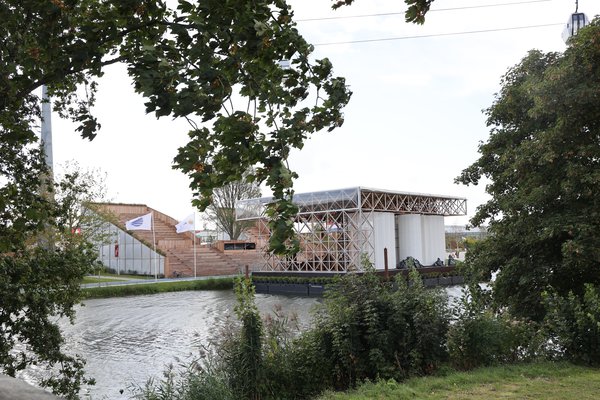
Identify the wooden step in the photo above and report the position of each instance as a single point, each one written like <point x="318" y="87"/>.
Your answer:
<point x="178" y="247"/>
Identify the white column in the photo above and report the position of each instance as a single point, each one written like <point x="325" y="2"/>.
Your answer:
<point x="434" y="240"/>
<point x="385" y="237"/>
<point x="410" y="237"/>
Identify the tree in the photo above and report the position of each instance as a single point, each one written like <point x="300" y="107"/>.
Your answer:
<point x="189" y="62"/>
<point x="542" y="160"/>
<point x="222" y="210"/>
<point x="38" y="284"/>
<point x="79" y="192"/>
<point x="415" y="13"/>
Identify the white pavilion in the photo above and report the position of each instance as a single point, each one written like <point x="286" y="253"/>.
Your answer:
<point x="338" y="229"/>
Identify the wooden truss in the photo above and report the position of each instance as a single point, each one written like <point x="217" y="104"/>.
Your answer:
<point x="336" y="228"/>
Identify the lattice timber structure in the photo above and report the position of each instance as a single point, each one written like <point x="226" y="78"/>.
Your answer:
<point x="340" y="229"/>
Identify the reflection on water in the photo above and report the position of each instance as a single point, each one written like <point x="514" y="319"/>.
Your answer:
<point x="125" y="340"/>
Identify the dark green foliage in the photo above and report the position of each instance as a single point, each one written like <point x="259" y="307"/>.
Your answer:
<point x="366" y="329"/>
<point x="36" y="287"/>
<point x="542" y="163"/>
<point x="42" y="264"/>
<point x="415" y="12"/>
<point x="293" y="279"/>
<point x="189" y="60"/>
<point x="573" y="325"/>
<point x="480" y="336"/>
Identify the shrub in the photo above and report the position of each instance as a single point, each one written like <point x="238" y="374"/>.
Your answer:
<point x="366" y="329"/>
<point x="481" y="336"/>
<point x="573" y="325"/>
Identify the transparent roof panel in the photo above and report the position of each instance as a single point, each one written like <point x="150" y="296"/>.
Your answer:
<point x="327" y="200"/>
<point x="358" y="197"/>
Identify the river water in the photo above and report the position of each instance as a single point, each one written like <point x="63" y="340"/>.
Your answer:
<point x="126" y="340"/>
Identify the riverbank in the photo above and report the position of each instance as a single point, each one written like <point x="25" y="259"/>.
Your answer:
<point x="549" y="381"/>
<point x="141" y="287"/>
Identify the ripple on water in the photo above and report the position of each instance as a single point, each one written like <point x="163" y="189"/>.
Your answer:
<point x="126" y="340"/>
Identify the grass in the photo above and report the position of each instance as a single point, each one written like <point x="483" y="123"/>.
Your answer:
<point x="96" y="279"/>
<point x="549" y="381"/>
<point x="124" y="276"/>
<point x="159" y="287"/>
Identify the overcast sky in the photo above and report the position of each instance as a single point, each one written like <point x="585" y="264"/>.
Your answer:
<point x="413" y="123"/>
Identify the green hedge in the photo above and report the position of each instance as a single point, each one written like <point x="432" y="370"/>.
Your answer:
<point x="293" y="279"/>
<point x="159" y="287"/>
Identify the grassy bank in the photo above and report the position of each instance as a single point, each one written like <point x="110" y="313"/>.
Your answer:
<point x="96" y="279"/>
<point x="550" y="381"/>
<point x="125" y="276"/>
<point x="159" y="287"/>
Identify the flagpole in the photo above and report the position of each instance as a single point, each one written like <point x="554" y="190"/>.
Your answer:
<point x="194" y="245"/>
<point x="119" y="248"/>
<point x="155" y="254"/>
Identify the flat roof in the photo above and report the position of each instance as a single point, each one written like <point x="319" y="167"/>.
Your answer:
<point x="363" y="198"/>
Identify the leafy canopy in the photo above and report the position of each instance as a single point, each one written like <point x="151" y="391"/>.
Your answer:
<point x="542" y="160"/>
<point x="40" y="284"/>
<point x="215" y="63"/>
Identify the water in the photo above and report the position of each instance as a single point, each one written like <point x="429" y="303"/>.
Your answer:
<point x="126" y="340"/>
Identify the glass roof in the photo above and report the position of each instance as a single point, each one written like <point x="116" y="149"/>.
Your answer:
<point x="357" y="197"/>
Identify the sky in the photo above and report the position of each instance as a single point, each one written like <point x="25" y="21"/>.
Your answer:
<point x="414" y="121"/>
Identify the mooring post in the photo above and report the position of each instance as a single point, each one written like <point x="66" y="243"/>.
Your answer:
<point x="247" y="272"/>
<point x="385" y="263"/>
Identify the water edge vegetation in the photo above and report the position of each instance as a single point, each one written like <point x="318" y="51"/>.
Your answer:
<point x="158" y="287"/>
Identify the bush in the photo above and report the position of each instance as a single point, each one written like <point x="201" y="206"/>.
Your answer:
<point x="573" y="325"/>
<point x="481" y="336"/>
<point x="367" y="329"/>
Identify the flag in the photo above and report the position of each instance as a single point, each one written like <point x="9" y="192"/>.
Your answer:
<point x="143" y="223"/>
<point x="186" y="224"/>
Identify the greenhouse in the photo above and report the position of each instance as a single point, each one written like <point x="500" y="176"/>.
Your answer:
<point x="339" y="229"/>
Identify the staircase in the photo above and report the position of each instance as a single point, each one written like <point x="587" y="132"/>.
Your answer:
<point x="178" y="248"/>
<point x="209" y="262"/>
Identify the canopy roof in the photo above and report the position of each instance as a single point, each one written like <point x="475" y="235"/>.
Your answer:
<point x="361" y="198"/>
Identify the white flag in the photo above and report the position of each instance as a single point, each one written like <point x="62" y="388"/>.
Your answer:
<point x="143" y="223"/>
<point x="186" y="224"/>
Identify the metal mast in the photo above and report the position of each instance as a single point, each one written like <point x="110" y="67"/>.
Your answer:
<point x="47" y="130"/>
